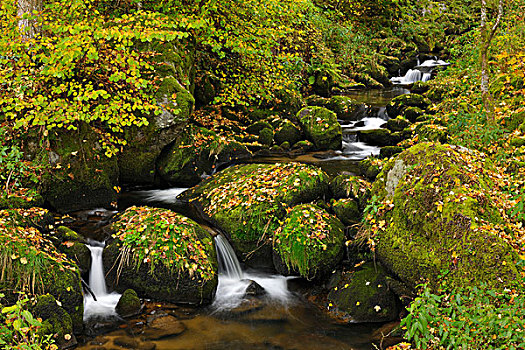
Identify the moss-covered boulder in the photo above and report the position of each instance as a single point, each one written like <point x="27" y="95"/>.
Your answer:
<point x="400" y="103"/>
<point x="369" y="168"/>
<point x="55" y="321"/>
<point x="32" y="263"/>
<point x="74" y="246"/>
<point x="349" y="186"/>
<point x="309" y="242"/>
<point x="174" y="73"/>
<point x="441" y="213"/>
<point x="379" y="137"/>
<point x="128" y="304"/>
<point x="287" y="132"/>
<point x="397" y="124"/>
<point x="80" y="175"/>
<point x="347" y="211"/>
<point x="258" y="126"/>
<point x="413" y="113"/>
<point x="303" y="145"/>
<point x="266" y="137"/>
<point x="321" y="127"/>
<point x="161" y="255"/>
<point x="247" y="202"/>
<point x="389" y="151"/>
<point x="14" y="201"/>
<point x="363" y="295"/>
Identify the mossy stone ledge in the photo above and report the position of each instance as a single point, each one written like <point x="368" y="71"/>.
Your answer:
<point x="161" y="255"/>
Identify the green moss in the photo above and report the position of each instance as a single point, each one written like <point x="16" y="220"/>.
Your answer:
<point x="55" y="320"/>
<point x="390" y="151"/>
<point x="400" y="103"/>
<point x="13" y="201"/>
<point x="378" y="137"/>
<point x="442" y="218"/>
<point x="257" y="127"/>
<point x="413" y="113"/>
<point x="349" y="186"/>
<point x="310" y="241"/>
<point x="266" y="137"/>
<point x="432" y="132"/>
<point x="397" y="124"/>
<point x="321" y="127"/>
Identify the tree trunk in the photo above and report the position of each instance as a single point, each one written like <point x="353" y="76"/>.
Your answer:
<point x="486" y="37"/>
<point x="28" y="27"/>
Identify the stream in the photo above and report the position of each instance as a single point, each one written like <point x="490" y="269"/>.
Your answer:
<point x="252" y="309"/>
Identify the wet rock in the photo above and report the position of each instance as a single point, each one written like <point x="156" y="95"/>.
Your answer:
<point x="247" y="306"/>
<point x="378" y="137"/>
<point x="364" y="295"/>
<point x="254" y="290"/>
<point x="321" y="127"/>
<point x="397" y="124"/>
<point x="126" y="342"/>
<point x="359" y="124"/>
<point x="128" y="304"/>
<point x="163" y="327"/>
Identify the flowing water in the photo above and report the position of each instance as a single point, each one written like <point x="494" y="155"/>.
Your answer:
<point x="421" y="72"/>
<point x="104" y="305"/>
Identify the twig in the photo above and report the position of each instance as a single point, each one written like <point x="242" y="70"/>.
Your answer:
<point x="88" y="289"/>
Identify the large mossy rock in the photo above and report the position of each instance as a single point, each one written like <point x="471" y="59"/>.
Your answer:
<point x="128" y="304"/>
<point x="74" y="246"/>
<point x="162" y="255"/>
<point x="194" y="153"/>
<point x="247" y="202"/>
<point x="32" y="263"/>
<point x="346" y="210"/>
<point x="399" y="104"/>
<point x="80" y="176"/>
<point x="174" y="70"/>
<point x="321" y="127"/>
<point x="379" y="137"/>
<point x="309" y="243"/>
<point x="363" y="295"/>
<point x="441" y="213"/>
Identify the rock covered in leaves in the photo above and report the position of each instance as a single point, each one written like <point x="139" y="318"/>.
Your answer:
<point x="363" y="295"/>
<point x="32" y="263"/>
<point x="74" y="246"/>
<point x="309" y="242"/>
<point x="349" y="186"/>
<point x="440" y="208"/>
<point x="321" y="127"/>
<point x="162" y="255"/>
<point x="247" y="202"/>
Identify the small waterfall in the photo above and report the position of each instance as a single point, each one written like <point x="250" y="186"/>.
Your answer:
<point x="233" y="281"/>
<point x="105" y="304"/>
<point x="421" y="72"/>
<point x="97" y="281"/>
<point x="228" y="263"/>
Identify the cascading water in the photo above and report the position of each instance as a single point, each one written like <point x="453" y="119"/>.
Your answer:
<point x="233" y="281"/>
<point x="421" y="72"/>
<point x="105" y="304"/>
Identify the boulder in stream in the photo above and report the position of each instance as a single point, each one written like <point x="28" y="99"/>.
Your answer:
<point x="441" y="211"/>
<point x="162" y="255"/>
<point x="321" y="127"/>
<point x="308" y="243"/>
<point x="399" y="104"/>
<point x="128" y="304"/>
